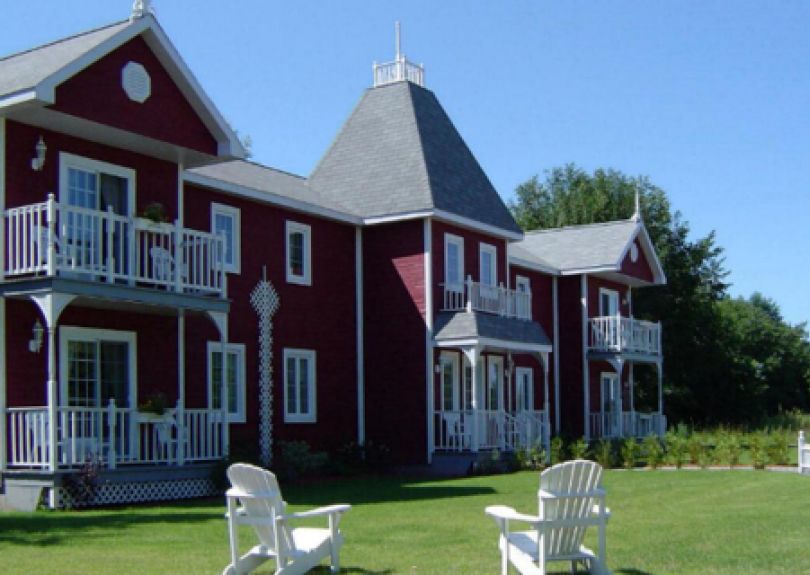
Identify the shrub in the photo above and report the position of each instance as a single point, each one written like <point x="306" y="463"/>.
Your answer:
<point x="676" y="448"/>
<point x="297" y="460"/>
<point x="630" y="451"/>
<point x="557" y="450"/>
<point x="604" y="453"/>
<point x="653" y="451"/>
<point x="532" y="459"/>
<point x="579" y="449"/>
<point x="729" y="448"/>
<point x="694" y="446"/>
<point x="777" y="447"/>
<point x="756" y="446"/>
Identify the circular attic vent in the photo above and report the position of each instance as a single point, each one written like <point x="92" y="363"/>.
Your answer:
<point x="136" y="82"/>
<point x="633" y="252"/>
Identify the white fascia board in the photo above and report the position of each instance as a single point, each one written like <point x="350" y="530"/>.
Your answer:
<point x="476" y="225"/>
<point x="403" y="217"/>
<point x="494" y="343"/>
<point x="269" y="198"/>
<point x="536" y="266"/>
<point x="649" y="252"/>
<point x="588" y="270"/>
<point x="17" y="98"/>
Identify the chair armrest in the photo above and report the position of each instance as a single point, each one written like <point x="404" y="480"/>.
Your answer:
<point x="328" y="510"/>
<point x="595" y="511"/>
<point x="503" y="513"/>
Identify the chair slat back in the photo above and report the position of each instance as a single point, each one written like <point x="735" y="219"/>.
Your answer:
<point x="266" y="504"/>
<point x="567" y="480"/>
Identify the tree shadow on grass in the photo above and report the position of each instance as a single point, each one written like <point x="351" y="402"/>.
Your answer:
<point x="323" y="570"/>
<point x="631" y="571"/>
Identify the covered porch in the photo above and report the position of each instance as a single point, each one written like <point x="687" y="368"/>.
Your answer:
<point x="490" y="388"/>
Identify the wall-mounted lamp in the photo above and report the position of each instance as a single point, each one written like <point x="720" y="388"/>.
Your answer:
<point x="35" y="345"/>
<point x="38" y="161"/>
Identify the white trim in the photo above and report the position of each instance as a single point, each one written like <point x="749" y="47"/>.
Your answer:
<point x="427" y="245"/>
<point x="485" y="248"/>
<point x="358" y="300"/>
<point x="523" y="371"/>
<point x="535" y="266"/>
<point x="446" y="217"/>
<point x="235" y="214"/>
<point x="88" y="334"/>
<point x="584" y="344"/>
<point x="519" y="280"/>
<point x="458" y="241"/>
<point x="291" y="227"/>
<point x="493" y="343"/>
<point x="237" y="349"/>
<point x="309" y="355"/>
<point x="613" y="294"/>
<point x="19" y="97"/>
<point x="67" y="160"/>
<point x="556" y="352"/>
<point x="270" y="198"/>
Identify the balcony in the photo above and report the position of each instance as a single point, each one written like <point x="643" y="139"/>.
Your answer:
<point x="56" y="239"/>
<point x="397" y="71"/>
<point x="616" y="334"/>
<point x="497" y="300"/>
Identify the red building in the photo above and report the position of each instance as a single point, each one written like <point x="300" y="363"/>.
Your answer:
<point x="165" y="302"/>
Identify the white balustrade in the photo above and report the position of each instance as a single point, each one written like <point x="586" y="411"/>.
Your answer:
<point x="624" y="334"/>
<point x="497" y="300"/>
<point x="58" y="239"/>
<point x="114" y="436"/>
<point x="496" y="429"/>
<point x="634" y="424"/>
<point x="397" y="71"/>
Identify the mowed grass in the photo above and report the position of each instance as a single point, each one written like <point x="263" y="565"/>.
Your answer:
<point x="707" y="522"/>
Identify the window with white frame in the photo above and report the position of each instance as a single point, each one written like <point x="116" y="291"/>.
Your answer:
<point x="522" y="284"/>
<point x="299" y="386"/>
<point x="299" y="253"/>
<point x="453" y="262"/>
<point x="488" y="264"/>
<point x="234" y="379"/>
<point x="608" y="302"/>
<point x="225" y="222"/>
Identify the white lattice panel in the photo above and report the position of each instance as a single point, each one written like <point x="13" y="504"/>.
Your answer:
<point x="265" y="300"/>
<point x="141" y="492"/>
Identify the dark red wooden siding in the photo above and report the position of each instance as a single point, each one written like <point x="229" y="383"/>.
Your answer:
<point x="96" y="94"/>
<point x="640" y="268"/>
<point x="571" y="383"/>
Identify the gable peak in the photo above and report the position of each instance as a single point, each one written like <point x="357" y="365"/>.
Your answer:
<point x="141" y="8"/>
<point x="400" y="69"/>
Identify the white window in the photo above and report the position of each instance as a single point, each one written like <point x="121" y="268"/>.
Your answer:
<point x="299" y="253"/>
<point x="488" y="271"/>
<point x="524" y="392"/>
<point x="608" y="302"/>
<point x="234" y="379"/>
<point x="225" y="222"/>
<point x="299" y="386"/>
<point x="522" y="284"/>
<point x="97" y="365"/>
<point x="453" y="262"/>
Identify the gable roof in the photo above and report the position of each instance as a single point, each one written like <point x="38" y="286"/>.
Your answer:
<point x="588" y="248"/>
<point x="399" y="154"/>
<point x="31" y="77"/>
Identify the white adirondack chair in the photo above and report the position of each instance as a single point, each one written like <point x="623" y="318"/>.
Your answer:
<point x="296" y="550"/>
<point x="570" y="501"/>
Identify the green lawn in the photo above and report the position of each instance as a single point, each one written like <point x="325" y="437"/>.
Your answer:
<point x="682" y="522"/>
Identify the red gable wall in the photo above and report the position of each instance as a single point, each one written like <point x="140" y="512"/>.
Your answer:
<point x="640" y="268"/>
<point x="96" y="94"/>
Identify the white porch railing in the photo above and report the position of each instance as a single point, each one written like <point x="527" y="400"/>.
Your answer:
<point x="489" y="429"/>
<point x="803" y="454"/>
<point x="633" y="424"/>
<point x="113" y="436"/>
<point x="397" y="71"/>
<point x="52" y="238"/>
<point x="624" y="334"/>
<point x="498" y="300"/>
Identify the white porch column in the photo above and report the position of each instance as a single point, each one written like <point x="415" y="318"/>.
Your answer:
<point x="181" y="387"/>
<point x="660" y="369"/>
<point x="3" y="400"/>
<point x="473" y="356"/>
<point x="221" y="321"/>
<point x="546" y="407"/>
<point x="586" y="378"/>
<point x="630" y="378"/>
<point x="427" y="231"/>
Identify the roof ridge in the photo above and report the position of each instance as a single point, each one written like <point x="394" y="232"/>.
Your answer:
<point x="424" y="162"/>
<point x="61" y="41"/>
<point x="578" y="227"/>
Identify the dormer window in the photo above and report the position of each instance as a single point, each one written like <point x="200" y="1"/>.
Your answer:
<point x="453" y="262"/>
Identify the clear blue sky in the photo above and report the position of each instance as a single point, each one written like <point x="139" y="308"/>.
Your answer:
<point x="709" y="99"/>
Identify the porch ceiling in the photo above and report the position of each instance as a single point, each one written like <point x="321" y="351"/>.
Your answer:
<point x="625" y="356"/>
<point x="115" y="296"/>
<point x="476" y="328"/>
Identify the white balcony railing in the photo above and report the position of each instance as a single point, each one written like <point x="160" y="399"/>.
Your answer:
<point x="633" y="424"/>
<point x="623" y="334"/>
<point x="498" y="300"/>
<point x="397" y="71"/>
<point x="470" y="430"/>
<point x="113" y="436"/>
<point x="57" y="239"/>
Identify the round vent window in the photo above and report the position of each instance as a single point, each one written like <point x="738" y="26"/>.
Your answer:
<point x="634" y="252"/>
<point x="136" y="82"/>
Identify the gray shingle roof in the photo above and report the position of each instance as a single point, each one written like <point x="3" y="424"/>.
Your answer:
<point x="398" y="153"/>
<point x="578" y="247"/>
<point x="23" y="71"/>
<point x="465" y="325"/>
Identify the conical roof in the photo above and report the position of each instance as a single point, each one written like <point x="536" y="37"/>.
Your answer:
<point x="399" y="153"/>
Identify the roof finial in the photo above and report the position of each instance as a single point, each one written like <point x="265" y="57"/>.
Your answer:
<point x="141" y="8"/>
<point x="637" y="214"/>
<point x="398" y="40"/>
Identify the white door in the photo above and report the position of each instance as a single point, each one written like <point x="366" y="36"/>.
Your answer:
<point x="494" y="395"/>
<point x="450" y="397"/>
<point x="611" y="404"/>
<point x="608" y="302"/>
<point x="524" y="389"/>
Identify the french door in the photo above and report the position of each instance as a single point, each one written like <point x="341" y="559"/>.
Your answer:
<point x="611" y="404"/>
<point x="524" y="389"/>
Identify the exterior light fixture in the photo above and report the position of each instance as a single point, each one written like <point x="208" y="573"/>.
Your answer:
<point x="35" y="345"/>
<point x="38" y="161"/>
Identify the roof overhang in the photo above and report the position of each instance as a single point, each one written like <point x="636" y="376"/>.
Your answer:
<point x="492" y="343"/>
<point x="533" y="265"/>
<point x="19" y="104"/>
<point x="445" y="216"/>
